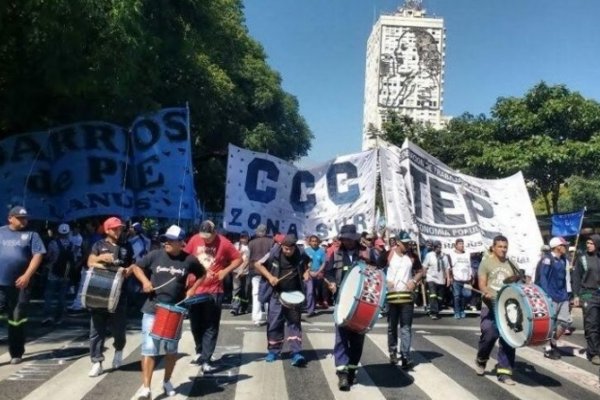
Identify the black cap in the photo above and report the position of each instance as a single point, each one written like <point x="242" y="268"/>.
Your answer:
<point x="207" y="228"/>
<point x="18" y="211"/>
<point x="289" y="240"/>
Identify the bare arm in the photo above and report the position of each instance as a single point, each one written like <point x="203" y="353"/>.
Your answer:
<point x="23" y="280"/>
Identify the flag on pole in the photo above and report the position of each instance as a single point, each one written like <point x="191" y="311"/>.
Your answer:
<point x="567" y="224"/>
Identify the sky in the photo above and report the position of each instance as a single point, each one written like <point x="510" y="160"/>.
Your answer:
<point x="494" y="48"/>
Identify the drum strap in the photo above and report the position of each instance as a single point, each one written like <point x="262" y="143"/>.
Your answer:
<point x="516" y="270"/>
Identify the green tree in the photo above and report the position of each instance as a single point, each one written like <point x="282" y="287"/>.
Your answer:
<point x="550" y="134"/>
<point x="66" y="61"/>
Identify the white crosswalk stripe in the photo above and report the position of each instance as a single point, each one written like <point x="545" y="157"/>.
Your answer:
<point x="265" y="378"/>
<point x="361" y="391"/>
<point x="249" y="377"/>
<point x="434" y="382"/>
<point x="467" y="355"/>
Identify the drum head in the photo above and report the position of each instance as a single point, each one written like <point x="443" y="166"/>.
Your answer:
<point x="349" y="290"/>
<point x="292" y="298"/>
<point x="513" y="315"/>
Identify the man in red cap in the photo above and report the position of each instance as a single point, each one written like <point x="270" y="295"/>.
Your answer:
<point x="21" y="253"/>
<point x="110" y="252"/>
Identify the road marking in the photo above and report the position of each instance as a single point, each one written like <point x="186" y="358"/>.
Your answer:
<point x="429" y="378"/>
<point x="73" y="382"/>
<point x="466" y="354"/>
<point x="364" y="389"/>
<point x="258" y="379"/>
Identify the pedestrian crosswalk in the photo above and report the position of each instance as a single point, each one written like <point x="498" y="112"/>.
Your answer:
<point x="444" y="370"/>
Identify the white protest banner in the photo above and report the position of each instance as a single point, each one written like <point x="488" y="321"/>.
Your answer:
<point x="426" y="197"/>
<point x="262" y="189"/>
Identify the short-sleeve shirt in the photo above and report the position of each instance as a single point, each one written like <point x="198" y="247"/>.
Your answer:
<point x="496" y="272"/>
<point x="121" y="252"/>
<point x="16" y="250"/>
<point x="161" y="267"/>
<point x="436" y="267"/>
<point x="461" y="266"/>
<point x="215" y="257"/>
<point x="317" y="257"/>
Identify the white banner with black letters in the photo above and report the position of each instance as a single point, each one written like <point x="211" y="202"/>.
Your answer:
<point x="263" y="189"/>
<point x="426" y="197"/>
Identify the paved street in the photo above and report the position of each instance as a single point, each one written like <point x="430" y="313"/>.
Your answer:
<point x="56" y="366"/>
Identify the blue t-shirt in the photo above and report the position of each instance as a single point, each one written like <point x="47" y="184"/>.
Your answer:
<point x="16" y="250"/>
<point x="317" y="256"/>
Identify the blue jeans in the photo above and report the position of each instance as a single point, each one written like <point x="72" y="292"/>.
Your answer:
<point x="403" y="314"/>
<point x="56" y="289"/>
<point x="461" y="297"/>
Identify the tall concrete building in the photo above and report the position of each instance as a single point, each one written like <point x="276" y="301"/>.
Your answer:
<point x="405" y="69"/>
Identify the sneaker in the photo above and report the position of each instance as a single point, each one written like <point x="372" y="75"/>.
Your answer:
<point x="552" y="354"/>
<point x="18" y="360"/>
<point x="117" y="359"/>
<point x="271" y="356"/>
<point x="463" y="315"/>
<point x="595" y="360"/>
<point x="196" y="360"/>
<point x="325" y="305"/>
<point x="169" y="389"/>
<point x="456" y="316"/>
<point x="298" y="360"/>
<point x="407" y="363"/>
<point x="47" y="321"/>
<point x="569" y="331"/>
<point x="352" y="377"/>
<point x="207" y="368"/>
<point x="311" y="314"/>
<point x="343" y="382"/>
<point x="96" y="370"/>
<point x="434" y="317"/>
<point x="393" y="359"/>
<point x="235" y="313"/>
<point x="507" y="380"/>
<point x="479" y="368"/>
<point x="143" y="393"/>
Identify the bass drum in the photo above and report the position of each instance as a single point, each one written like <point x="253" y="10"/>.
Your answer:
<point x="525" y="315"/>
<point x="102" y="289"/>
<point x="361" y="298"/>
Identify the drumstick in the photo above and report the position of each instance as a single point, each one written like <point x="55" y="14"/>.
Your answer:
<point x="286" y="275"/>
<point x="165" y="284"/>
<point x="467" y="286"/>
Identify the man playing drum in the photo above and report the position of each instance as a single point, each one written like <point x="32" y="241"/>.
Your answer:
<point x="112" y="251"/>
<point x="494" y="271"/>
<point x="348" y="346"/>
<point x="286" y="268"/>
<point x="167" y="269"/>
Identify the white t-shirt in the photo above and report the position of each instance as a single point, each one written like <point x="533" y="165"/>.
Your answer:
<point x="436" y="272"/>
<point x="399" y="273"/>
<point x="245" y="252"/>
<point x="461" y="266"/>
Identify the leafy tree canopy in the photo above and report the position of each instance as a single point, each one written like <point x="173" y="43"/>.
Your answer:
<point x="550" y="134"/>
<point x="67" y="61"/>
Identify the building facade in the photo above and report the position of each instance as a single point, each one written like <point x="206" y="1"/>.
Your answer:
<point x="404" y="70"/>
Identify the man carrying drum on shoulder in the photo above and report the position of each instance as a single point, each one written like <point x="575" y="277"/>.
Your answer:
<point x="348" y="346"/>
<point x="113" y="252"/>
<point x="286" y="269"/>
<point x="167" y="269"/>
<point x="495" y="271"/>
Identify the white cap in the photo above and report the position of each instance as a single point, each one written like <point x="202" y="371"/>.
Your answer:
<point x="557" y="241"/>
<point x="173" y="233"/>
<point x="64" y="229"/>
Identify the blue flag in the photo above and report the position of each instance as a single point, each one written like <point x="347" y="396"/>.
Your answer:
<point x="567" y="224"/>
